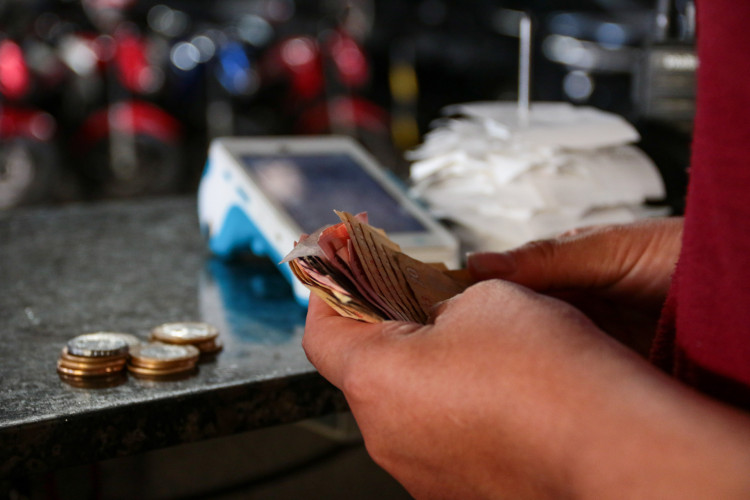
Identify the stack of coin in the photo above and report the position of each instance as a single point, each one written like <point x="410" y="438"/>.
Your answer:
<point x="100" y="355"/>
<point x="160" y="360"/>
<point x="201" y="335"/>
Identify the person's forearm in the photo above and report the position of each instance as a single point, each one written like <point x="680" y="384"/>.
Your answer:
<point x="652" y="437"/>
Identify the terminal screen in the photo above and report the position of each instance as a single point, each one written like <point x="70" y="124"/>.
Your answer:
<point x="311" y="186"/>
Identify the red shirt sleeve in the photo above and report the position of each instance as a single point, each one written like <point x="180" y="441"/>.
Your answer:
<point x="704" y="337"/>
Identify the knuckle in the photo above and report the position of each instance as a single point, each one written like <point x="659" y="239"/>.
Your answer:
<point x="483" y="294"/>
<point x="357" y="383"/>
<point x="544" y="250"/>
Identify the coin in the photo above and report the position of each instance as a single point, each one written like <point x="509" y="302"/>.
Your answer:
<point x="161" y="366"/>
<point x="184" y="333"/>
<point x="65" y="354"/>
<point x="156" y="372"/>
<point x="157" y="359"/>
<point x="99" y="344"/>
<point x="87" y="372"/>
<point x="99" y="355"/>
<point x="129" y="338"/>
<point x="210" y="346"/>
<point x="115" y="365"/>
<point x="159" y="354"/>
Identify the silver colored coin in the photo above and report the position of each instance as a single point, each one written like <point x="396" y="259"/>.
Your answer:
<point x="160" y="352"/>
<point x="129" y="338"/>
<point x="99" y="344"/>
<point x="186" y="332"/>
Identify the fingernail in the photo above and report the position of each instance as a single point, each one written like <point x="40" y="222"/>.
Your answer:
<point x="486" y="265"/>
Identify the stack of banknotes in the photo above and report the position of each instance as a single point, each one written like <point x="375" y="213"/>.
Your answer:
<point x="362" y="274"/>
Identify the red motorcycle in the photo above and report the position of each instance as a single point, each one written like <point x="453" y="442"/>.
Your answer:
<point x="29" y="167"/>
<point x="324" y="77"/>
<point x="127" y="146"/>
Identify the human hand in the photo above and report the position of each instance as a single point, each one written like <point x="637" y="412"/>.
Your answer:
<point x="513" y="394"/>
<point x="618" y="275"/>
<point x="420" y="393"/>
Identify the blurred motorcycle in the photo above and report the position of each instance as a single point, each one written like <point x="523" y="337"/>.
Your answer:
<point x="126" y="145"/>
<point x="28" y="155"/>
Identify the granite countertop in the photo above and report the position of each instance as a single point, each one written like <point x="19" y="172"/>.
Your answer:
<point x="129" y="266"/>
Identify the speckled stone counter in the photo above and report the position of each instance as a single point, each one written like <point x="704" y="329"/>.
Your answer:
<point x="129" y="266"/>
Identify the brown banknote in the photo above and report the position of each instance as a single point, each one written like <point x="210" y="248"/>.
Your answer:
<point x="364" y="275"/>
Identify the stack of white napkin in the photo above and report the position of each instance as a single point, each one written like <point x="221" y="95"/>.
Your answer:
<point x="504" y="181"/>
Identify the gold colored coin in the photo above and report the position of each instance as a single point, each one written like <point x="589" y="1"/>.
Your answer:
<point x="190" y="363"/>
<point x="184" y="333"/>
<point x="154" y="372"/>
<point x="157" y="355"/>
<point x="88" y="372"/>
<point x="65" y="354"/>
<point x="210" y="346"/>
<point x="73" y="365"/>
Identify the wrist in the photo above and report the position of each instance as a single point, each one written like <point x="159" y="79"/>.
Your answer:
<point x="656" y="438"/>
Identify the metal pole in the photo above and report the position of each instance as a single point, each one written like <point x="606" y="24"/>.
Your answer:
<point x="524" y="69"/>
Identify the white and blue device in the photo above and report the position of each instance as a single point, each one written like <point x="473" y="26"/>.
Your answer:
<point x="259" y="194"/>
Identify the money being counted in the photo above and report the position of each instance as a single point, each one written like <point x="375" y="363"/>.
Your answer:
<point x="362" y="274"/>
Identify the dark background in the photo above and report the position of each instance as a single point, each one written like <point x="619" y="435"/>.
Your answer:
<point x="118" y="99"/>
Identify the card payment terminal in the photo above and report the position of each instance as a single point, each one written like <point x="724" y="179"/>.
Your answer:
<point x="259" y="194"/>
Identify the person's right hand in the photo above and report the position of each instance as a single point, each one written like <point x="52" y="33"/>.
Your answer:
<point x="508" y="393"/>
<point x="618" y="275"/>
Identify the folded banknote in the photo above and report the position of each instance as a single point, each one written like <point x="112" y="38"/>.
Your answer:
<point x="362" y="274"/>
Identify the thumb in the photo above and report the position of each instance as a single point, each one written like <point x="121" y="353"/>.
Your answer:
<point x="596" y="257"/>
<point x="545" y="265"/>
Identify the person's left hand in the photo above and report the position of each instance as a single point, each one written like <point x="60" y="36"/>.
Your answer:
<point x="618" y="275"/>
